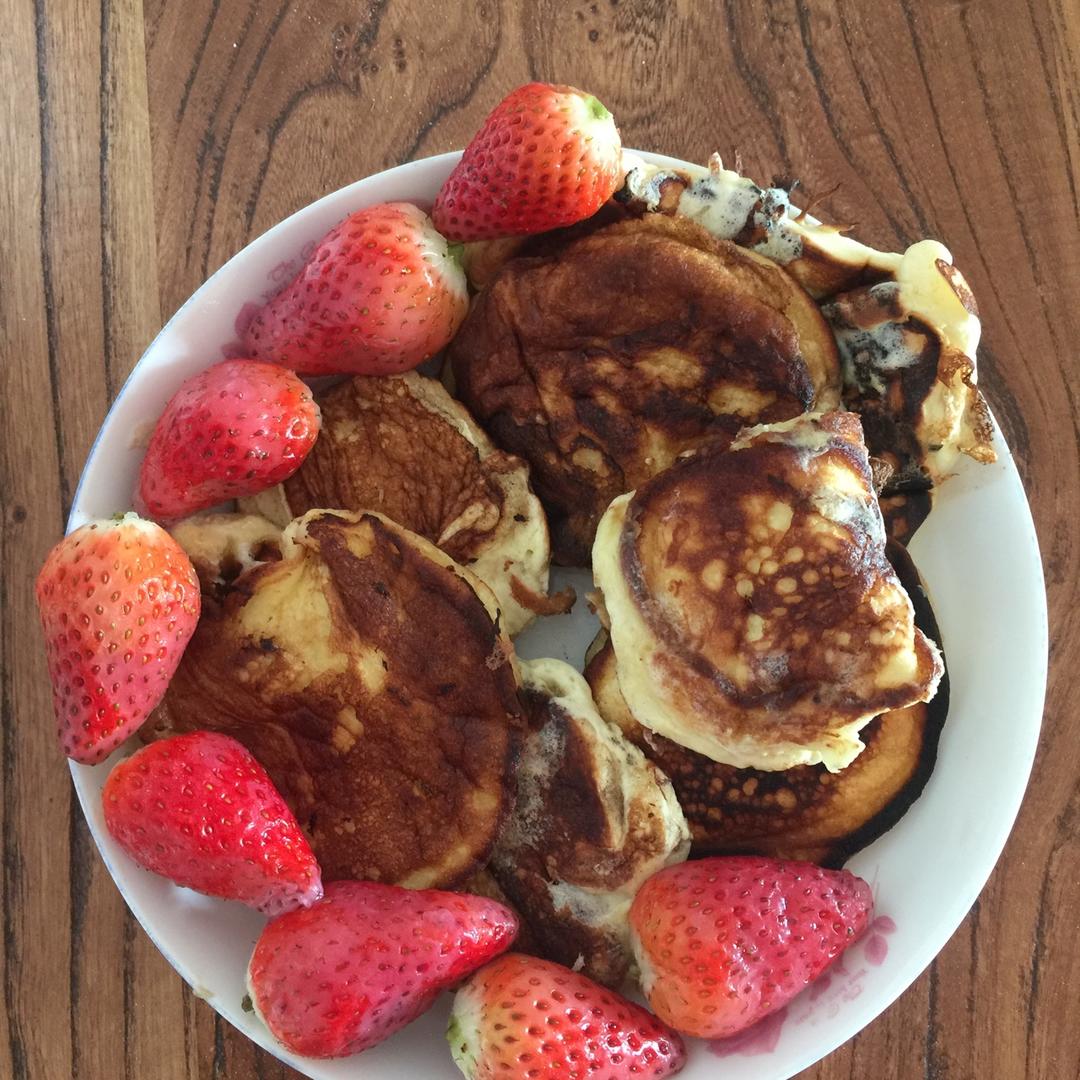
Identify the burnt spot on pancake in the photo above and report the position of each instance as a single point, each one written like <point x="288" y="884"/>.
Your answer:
<point x="222" y="546"/>
<point x="891" y="364"/>
<point x="594" y="818"/>
<point x="603" y="359"/>
<point x="400" y="445"/>
<point x="904" y="512"/>
<point x="914" y="388"/>
<point x="754" y="614"/>
<point x="386" y="710"/>
<point x="805" y="812"/>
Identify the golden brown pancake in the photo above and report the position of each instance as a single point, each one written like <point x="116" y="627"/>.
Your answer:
<point x="365" y="671"/>
<point x="800" y="813"/>
<point x="594" y="818"/>
<point x="603" y="359"/>
<point x="400" y="445"/>
<point x="907" y="325"/>
<point x="752" y="610"/>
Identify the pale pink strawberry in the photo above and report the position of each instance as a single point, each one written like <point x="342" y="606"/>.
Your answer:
<point x="366" y="960"/>
<point x="723" y="942"/>
<point x="547" y="156"/>
<point x="382" y="293"/>
<point x="521" y="1016"/>
<point x="235" y="429"/>
<point x="201" y="811"/>
<point x="118" y="601"/>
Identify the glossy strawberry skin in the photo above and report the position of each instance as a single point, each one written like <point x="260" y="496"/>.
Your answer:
<point x="366" y="960"/>
<point x="235" y="429"/>
<point x="381" y="294"/>
<point x="201" y="811"/>
<point x="723" y="942"/>
<point x="118" y="601"/>
<point x="546" y="157"/>
<point x="521" y="1016"/>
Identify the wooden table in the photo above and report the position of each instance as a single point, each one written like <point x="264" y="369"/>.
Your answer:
<point x="145" y="141"/>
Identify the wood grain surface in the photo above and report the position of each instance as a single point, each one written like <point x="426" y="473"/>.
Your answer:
<point x="145" y="141"/>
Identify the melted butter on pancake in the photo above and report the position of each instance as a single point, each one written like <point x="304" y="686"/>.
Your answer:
<point x="752" y="611"/>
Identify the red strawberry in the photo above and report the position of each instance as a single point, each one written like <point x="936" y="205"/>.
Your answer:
<point x="235" y="429"/>
<point x="382" y="293"/>
<point x="723" y="942"/>
<point x="200" y="810"/>
<point x="521" y="1016"/>
<point x="367" y="960"/>
<point x="546" y="157"/>
<point x="118" y="602"/>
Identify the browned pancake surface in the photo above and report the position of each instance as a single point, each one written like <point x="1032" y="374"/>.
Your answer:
<point x="760" y="575"/>
<point x="402" y="446"/>
<point x="368" y="677"/>
<point x="382" y="449"/>
<point x="800" y="813"/>
<point x="805" y="812"/>
<point x="594" y="818"/>
<point x="601" y="361"/>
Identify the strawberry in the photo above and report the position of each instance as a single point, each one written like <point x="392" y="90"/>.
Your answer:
<point x="547" y="156"/>
<point x="235" y="429"/>
<point x="366" y="960"/>
<point x="723" y="942"/>
<point x="521" y="1016"/>
<point x="201" y="811"/>
<point x="118" y="601"/>
<point x="382" y="293"/>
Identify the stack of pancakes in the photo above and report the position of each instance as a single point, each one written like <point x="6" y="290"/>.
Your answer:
<point x="667" y="397"/>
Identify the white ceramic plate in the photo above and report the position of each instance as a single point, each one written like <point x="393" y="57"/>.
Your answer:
<point x="977" y="553"/>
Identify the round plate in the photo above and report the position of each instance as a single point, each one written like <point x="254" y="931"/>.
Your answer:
<point x="977" y="553"/>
